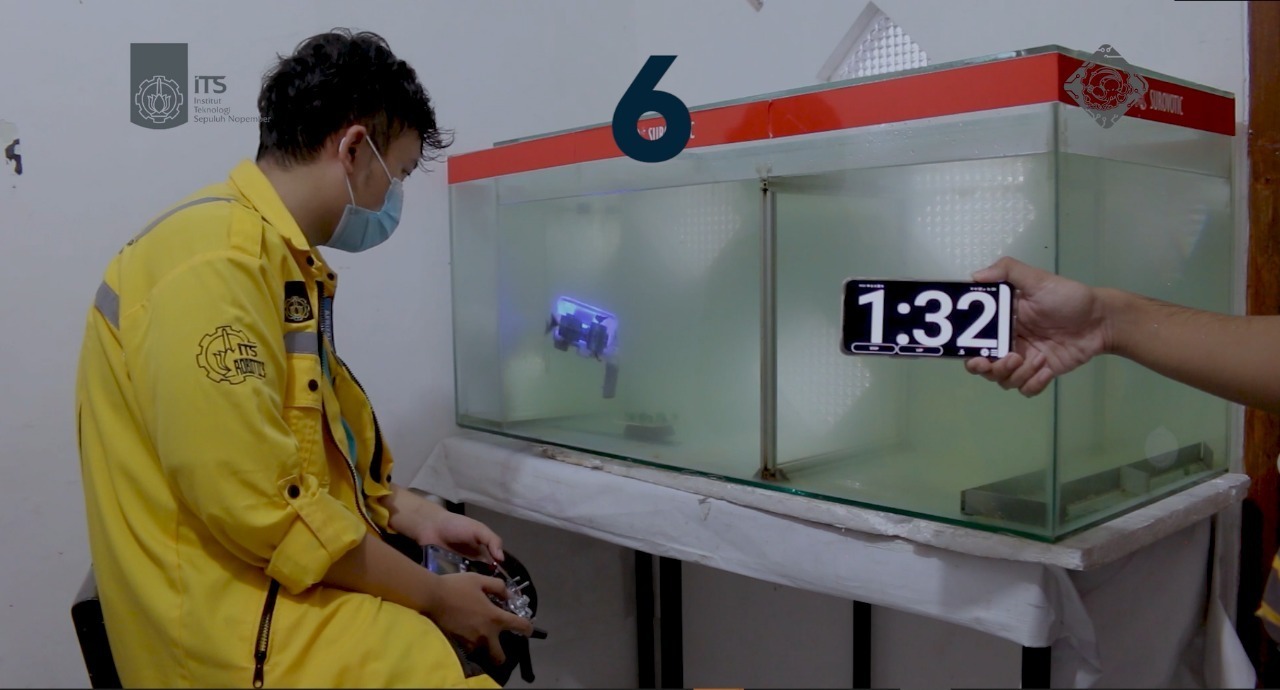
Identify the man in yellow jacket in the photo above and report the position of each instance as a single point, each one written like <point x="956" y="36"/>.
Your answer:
<point x="237" y="485"/>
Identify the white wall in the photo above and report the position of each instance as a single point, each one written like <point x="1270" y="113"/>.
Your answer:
<point x="497" y="70"/>
<point x="92" y="179"/>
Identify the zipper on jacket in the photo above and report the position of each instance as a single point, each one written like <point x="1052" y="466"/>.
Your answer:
<point x="355" y="482"/>
<point x="264" y="634"/>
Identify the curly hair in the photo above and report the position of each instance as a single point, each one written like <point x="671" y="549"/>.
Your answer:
<point x="338" y="79"/>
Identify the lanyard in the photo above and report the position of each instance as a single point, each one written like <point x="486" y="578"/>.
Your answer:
<point x="326" y="328"/>
<point x="326" y="336"/>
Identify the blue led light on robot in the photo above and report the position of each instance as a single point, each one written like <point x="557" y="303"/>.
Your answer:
<point x="591" y="330"/>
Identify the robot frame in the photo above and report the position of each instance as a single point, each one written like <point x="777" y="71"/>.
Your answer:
<point x="591" y="331"/>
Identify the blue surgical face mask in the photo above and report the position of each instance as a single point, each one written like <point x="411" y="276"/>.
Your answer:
<point x="359" y="228"/>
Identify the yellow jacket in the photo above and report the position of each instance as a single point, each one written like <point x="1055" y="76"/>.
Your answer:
<point x="1269" y="609"/>
<point x="207" y="409"/>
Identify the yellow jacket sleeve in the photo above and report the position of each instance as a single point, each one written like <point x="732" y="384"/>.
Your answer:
<point x="210" y="371"/>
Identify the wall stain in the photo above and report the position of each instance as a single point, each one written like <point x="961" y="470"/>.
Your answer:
<point x="9" y="139"/>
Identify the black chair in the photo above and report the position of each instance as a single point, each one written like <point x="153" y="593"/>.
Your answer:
<point x="86" y="614"/>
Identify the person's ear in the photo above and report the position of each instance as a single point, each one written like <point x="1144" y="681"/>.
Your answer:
<point x="349" y="146"/>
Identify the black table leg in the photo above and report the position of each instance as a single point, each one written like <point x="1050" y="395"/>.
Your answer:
<point x="659" y="622"/>
<point x="1036" y="664"/>
<point x="646" y="662"/>
<point x="671" y="623"/>
<point x="861" y="645"/>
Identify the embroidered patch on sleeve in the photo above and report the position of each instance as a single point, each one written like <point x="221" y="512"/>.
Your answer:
<point x="297" y="303"/>
<point x="228" y="356"/>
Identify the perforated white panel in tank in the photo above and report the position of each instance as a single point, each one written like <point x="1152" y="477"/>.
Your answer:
<point x="883" y="47"/>
<point x="819" y="382"/>
<point x="969" y="214"/>
<point x="701" y="221"/>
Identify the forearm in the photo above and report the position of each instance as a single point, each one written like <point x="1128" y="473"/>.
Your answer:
<point x="375" y="567"/>
<point x="1232" y="357"/>
<point x="407" y="510"/>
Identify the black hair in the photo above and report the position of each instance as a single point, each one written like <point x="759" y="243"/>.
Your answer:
<point x="338" y="79"/>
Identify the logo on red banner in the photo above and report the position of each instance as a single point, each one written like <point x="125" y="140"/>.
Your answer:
<point x="1106" y="87"/>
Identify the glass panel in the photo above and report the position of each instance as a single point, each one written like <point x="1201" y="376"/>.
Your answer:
<point x="474" y="255"/>
<point x="1145" y="142"/>
<point x="909" y="435"/>
<point x="615" y="175"/>
<point x="678" y="271"/>
<point x="1126" y="434"/>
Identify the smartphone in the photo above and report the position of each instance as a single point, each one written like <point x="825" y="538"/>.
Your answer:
<point x="442" y="562"/>
<point x="916" y="318"/>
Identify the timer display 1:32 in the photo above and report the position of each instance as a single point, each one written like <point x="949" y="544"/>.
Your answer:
<point x="927" y="319"/>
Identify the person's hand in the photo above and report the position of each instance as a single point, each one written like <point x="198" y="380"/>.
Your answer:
<point x="428" y="523"/>
<point x="460" y="534"/>
<point x="1060" y="326"/>
<point x="463" y="609"/>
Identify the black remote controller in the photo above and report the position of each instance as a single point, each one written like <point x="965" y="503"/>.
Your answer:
<point x="522" y="600"/>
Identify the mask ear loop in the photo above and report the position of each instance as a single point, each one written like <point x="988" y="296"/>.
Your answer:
<point x="380" y="161"/>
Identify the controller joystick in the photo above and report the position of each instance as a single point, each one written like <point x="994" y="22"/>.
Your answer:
<point x="522" y="600"/>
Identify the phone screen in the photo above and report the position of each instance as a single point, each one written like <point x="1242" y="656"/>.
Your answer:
<point x="927" y="319"/>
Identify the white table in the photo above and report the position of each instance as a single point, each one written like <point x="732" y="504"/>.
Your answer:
<point x="1123" y="604"/>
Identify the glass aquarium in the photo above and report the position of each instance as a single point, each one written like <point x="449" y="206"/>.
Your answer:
<point x="687" y="314"/>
